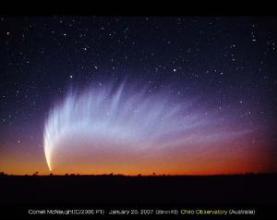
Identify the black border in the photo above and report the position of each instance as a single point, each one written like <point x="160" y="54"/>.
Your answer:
<point x="139" y="8"/>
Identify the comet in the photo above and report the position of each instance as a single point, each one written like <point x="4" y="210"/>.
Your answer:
<point x="128" y="117"/>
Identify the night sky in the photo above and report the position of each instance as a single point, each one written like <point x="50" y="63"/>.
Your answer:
<point x="222" y="68"/>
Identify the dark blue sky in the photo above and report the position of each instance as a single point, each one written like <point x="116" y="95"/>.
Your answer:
<point x="228" y="62"/>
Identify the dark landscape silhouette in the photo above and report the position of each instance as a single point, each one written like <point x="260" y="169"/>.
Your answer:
<point x="73" y="190"/>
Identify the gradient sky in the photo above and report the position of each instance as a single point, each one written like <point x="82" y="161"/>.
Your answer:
<point x="222" y="70"/>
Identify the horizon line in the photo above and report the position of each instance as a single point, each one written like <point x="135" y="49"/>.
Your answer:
<point x="139" y="175"/>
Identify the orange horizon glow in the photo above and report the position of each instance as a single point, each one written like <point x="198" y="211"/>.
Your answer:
<point x="212" y="164"/>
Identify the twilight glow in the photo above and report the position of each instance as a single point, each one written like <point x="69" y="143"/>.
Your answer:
<point x="125" y="129"/>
